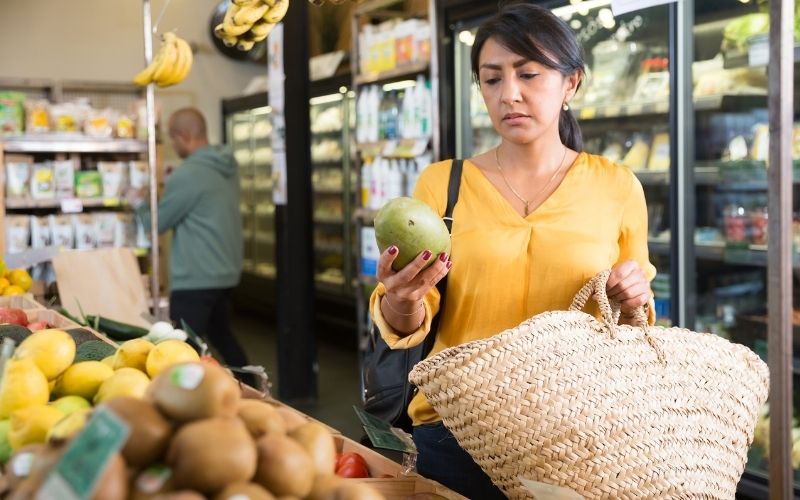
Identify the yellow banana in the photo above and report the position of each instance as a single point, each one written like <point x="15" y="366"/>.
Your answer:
<point x="219" y="31"/>
<point x="276" y="12"/>
<point x="229" y="41"/>
<point x="167" y="65"/>
<point x="260" y="30"/>
<point x="183" y="66"/>
<point x="147" y="75"/>
<point x="231" y="28"/>
<point x="249" y="14"/>
<point x="245" y="45"/>
<point x="243" y="2"/>
<point x="170" y="76"/>
<point x="269" y="2"/>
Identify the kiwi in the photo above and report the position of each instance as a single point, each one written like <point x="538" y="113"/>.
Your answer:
<point x="181" y="495"/>
<point x="260" y="418"/>
<point x="318" y="443"/>
<point x="194" y="391"/>
<point x="324" y="487"/>
<point x="114" y="482"/>
<point x="209" y="454"/>
<point x="249" y="491"/>
<point x="284" y="467"/>
<point x="150" y="431"/>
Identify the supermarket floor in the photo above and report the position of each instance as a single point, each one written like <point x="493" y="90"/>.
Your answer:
<point x="338" y="380"/>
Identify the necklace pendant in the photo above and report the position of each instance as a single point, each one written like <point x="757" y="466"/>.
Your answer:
<point x="527" y="209"/>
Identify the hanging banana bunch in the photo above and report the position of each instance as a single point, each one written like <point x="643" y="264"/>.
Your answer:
<point x="170" y="65"/>
<point x="334" y="2"/>
<point x="248" y="22"/>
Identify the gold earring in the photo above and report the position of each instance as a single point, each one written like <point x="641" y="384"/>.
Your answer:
<point x="565" y="107"/>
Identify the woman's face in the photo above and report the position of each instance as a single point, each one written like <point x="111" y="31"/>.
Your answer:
<point x="524" y="98"/>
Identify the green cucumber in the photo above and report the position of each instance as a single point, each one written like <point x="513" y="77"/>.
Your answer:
<point x="117" y="330"/>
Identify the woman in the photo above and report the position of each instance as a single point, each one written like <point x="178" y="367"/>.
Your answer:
<point x="535" y="219"/>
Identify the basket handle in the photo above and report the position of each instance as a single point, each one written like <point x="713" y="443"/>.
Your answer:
<point x="595" y="288"/>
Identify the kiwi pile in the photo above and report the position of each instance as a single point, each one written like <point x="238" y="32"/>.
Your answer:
<point x="194" y="437"/>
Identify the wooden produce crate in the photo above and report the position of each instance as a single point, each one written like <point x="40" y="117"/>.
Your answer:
<point x="20" y="302"/>
<point x="53" y="318"/>
<point x="401" y="488"/>
<point x="377" y="463"/>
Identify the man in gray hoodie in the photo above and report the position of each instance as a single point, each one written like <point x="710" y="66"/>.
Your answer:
<point x="200" y="204"/>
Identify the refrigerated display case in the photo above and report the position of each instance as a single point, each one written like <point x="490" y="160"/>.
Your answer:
<point x="248" y="132"/>
<point x="714" y="276"/>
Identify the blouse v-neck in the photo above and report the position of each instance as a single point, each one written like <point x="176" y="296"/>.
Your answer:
<point x="478" y="172"/>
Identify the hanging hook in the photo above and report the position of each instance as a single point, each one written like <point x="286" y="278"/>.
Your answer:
<point x="160" y="15"/>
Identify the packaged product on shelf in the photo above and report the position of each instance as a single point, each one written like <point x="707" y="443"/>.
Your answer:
<point x="18" y="233"/>
<point x="114" y="175"/>
<point x="404" y="41"/>
<point x="43" y="185"/>
<point x="105" y="228"/>
<point x="64" y="172"/>
<point x="125" y="230"/>
<point x="41" y="233"/>
<point x="142" y="234"/>
<point x="138" y="175"/>
<point x="37" y="116"/>
<point x="636" y="158"/>
<point x="370" y="253"/>
<point x="736" y="223"/>
<point x="99" y="123"/>
<point x="125" y="126"/>
<point x="18" y="176"/>
<point x="68" y="117"/>
<point x="62" y="230"/>
<point x="12" y="112"/>
<point x="758" y="224"/>
<point x="88" y="184"/>
<point x="611" y="68"/>
<point x="85" y="235"/>
<point x="759" y="150"/>
<point x="422" y="41"/>
<point x="659" y="152"/>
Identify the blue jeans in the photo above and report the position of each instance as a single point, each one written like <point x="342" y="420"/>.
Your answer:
<point x="441" y="458"/>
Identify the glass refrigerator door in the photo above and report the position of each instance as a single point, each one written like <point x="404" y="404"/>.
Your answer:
<point x="239" y="132"/>
<point x="328" y="185"/>
<point x="261" y="148"/>
<point x="731" y="148"/>
<point x="622" y="108"/>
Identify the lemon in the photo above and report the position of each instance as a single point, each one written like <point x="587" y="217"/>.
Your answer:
<point x="133" y="354"/>
<point x="83" y="379"/>
<point x="168" y="353"/>
<point x="4" y="283"/>
<point x="5" y="446"/>
<point x="13" y="290"/>
<point x="68" y="426"/>
<point x="31" y="425"/>
<point x="23" y="385"/>
<point x="70" y="404"/>
<point x="125" y="382"/>
<point x="109" y="361"/>
<point x="20" y="278"/>
<point x="3" y="268"/>
<point x="52" y="350"/>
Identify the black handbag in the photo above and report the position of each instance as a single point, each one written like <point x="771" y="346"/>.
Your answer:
<point x="387" y="391"/>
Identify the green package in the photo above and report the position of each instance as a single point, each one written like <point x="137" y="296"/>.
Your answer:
<point x="12" y="113"/>
<point x="88" y="184"/>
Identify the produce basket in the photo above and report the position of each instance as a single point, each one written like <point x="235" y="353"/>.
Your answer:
<point x="609" y="411"/>
<point x="20" y="302"/>
<point x="401" y="488"/>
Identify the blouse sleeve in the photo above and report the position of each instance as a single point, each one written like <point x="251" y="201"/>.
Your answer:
<point x="633" y="236"/>
<point x="394" y="339"/>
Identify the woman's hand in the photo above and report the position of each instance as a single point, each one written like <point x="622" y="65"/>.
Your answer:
<point x="628" y="286"/>
<point x="402" y="306"/>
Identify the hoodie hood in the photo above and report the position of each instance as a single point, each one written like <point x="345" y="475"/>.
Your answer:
<point x="217" y="158"/>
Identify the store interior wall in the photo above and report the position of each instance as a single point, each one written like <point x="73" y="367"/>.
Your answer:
<point x="96" y="40"/>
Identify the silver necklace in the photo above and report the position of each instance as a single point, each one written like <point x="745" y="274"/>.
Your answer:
<point x="520" y="198"/>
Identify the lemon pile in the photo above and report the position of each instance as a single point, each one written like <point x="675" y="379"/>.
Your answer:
<point x="14" y="281"/>
<point x="44" y="395"/>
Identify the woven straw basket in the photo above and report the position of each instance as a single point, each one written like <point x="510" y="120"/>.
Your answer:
<point x="608" y="411"/>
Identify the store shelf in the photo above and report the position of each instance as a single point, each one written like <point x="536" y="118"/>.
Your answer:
<point x="400" y="148"/>
<point x="712" y="102"/>
<point x="328" y="189"/>
<point x="70" y="144"/>
<point x="394" y="74"/>
<point x="326" y="133"/>
<point x="658" y="246"/>
<point x="366" y="214"/>
<point x="267" y="238"/>
<point x="327" y="219"/>
<point x="327" y="162"/>
<point x="12" y="204"/>
<point x="329" y="247"/>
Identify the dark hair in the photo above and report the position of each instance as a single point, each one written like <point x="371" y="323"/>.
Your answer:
<point x="533" y="32"/>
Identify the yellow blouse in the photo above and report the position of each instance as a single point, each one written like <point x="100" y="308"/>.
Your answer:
<point x="507" y="268"/>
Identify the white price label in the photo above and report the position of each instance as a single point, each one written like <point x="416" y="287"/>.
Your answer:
<point x="624" y="6"/>
<point x="71" y="206"/>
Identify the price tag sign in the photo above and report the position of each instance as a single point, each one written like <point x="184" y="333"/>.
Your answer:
<point x="758" y="53"/>
<point x="71" y="206"/>
<point x="624" y="6"/>
<point x="79" y="470"/>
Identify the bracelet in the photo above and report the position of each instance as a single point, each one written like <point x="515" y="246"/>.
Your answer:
<point x="386" y="299"/>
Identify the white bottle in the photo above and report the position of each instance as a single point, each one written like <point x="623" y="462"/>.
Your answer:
<point x="425" y="106"/>
<point x="375" y="112"/>
<point x="361" y="116"/>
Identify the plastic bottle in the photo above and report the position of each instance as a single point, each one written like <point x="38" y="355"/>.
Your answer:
<point x="373" y="105"/>
<point x="361" y="117"/>
<point x="366" y="184"/>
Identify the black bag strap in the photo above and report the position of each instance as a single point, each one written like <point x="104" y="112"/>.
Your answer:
<point x="453" y="186"/>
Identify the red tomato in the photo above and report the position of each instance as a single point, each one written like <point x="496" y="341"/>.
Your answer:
<point x="352" y="470"/>
<point x="350" y="458"/>
<point x="38" y="325"/>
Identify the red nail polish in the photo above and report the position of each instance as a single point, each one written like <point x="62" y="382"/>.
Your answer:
<point x="392" y="250"/>
<point x="426" y="255"/>
<point x="443" y="257"/>
<point x="449" y="264"/>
